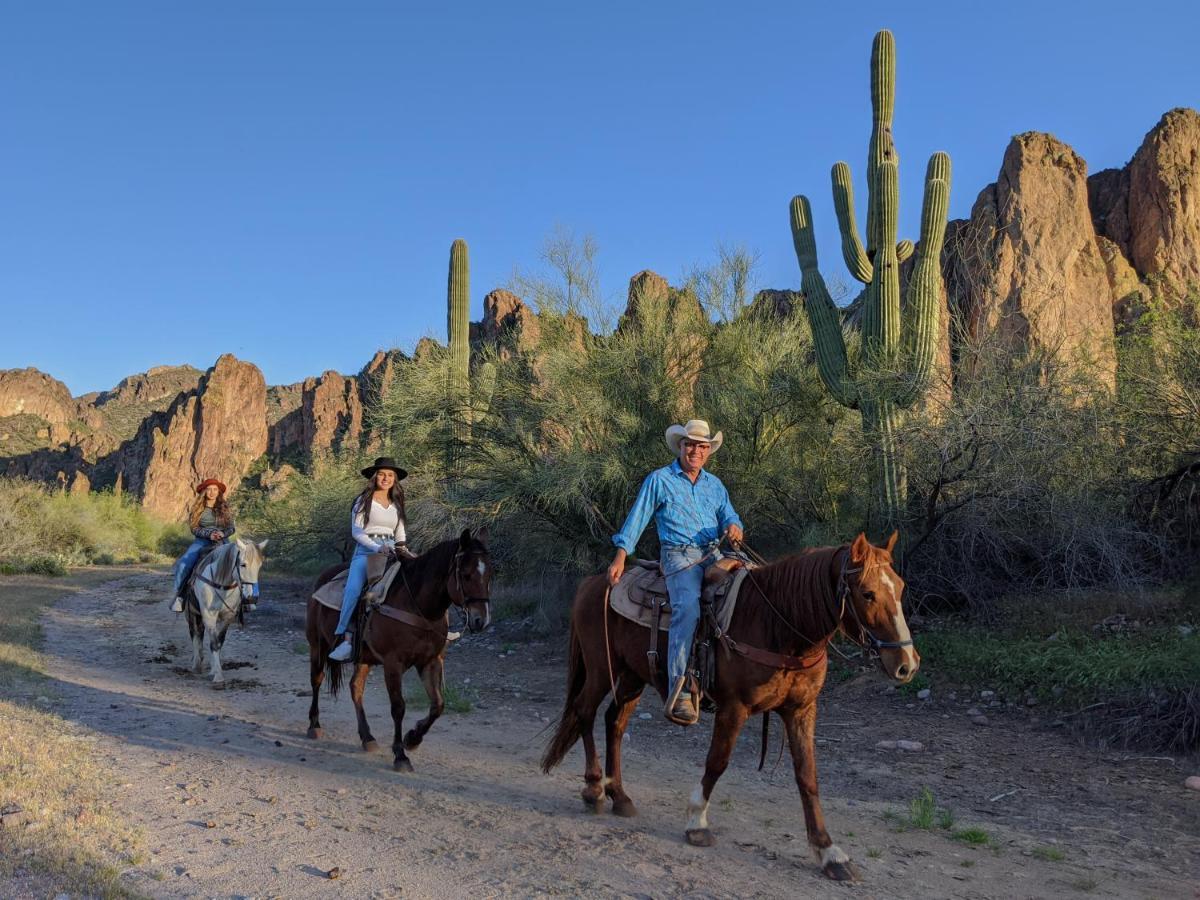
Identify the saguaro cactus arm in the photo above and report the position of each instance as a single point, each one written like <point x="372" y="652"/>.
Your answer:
<point x="922" y="309"/>
<point x="823" y="315"/>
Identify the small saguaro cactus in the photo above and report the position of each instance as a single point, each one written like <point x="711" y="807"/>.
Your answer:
<point x="458" y="325"/>
<point x="895" y="357"/>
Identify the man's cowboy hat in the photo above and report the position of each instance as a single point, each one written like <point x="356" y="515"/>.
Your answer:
<point x="385" y="462"/>
<point x="695" y="430"/>
<point x="206" y="482"/>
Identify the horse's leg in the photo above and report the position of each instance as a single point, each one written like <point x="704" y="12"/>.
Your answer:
<point x="358" y="684"/>
<point x="616" y="720"/>
<point x="801" y="725"/>
<point x="432" y="674"/>
<point x="730" y="718"/>
<point x="212" y="637"/>
<point x="196" y="630"/>
<point x="393" y="677"/>
<point x="316" y="676"/>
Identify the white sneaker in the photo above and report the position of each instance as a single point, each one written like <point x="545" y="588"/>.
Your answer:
<point x="342" y="652"/>
<point x="177" y="606"/>
<point x="453" y="635"/>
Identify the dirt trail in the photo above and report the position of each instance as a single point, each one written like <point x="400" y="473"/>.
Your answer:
<point x="236" y="802"/>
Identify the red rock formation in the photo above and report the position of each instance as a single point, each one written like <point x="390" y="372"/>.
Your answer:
<point x="31" y="392"/>
<point x="1151" y="208"/>
<point x="508" y="325"/>
<point x="216" y="431"/>
<point x="332" y="413"/>
<point x="1028" y="274"/>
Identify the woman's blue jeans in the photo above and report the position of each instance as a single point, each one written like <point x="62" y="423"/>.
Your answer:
<point x="356" y="579"/>
<point x="185" y="563"/>
<point x="684" y="568"/>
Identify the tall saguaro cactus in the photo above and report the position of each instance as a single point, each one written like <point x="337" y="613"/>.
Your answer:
<point x="458" y="325"/>
<point x="896" y="354"/>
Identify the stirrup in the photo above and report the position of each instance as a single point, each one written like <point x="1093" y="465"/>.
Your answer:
<point x="673" y="700"/>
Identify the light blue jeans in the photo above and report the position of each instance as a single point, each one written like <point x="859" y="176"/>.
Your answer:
<point x="685" y="579"/>
<point x="185" y="563"/>
<point x="356" y="579"/>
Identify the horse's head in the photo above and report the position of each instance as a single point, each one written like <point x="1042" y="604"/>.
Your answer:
<point x="470" y="578"/>
<point x="250" y="560"/>
<point x="874" y="615"/>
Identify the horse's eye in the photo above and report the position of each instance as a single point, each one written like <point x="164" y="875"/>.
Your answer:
<point x="869" y="596"/>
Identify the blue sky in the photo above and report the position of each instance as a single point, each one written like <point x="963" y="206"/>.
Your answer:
<point x="282" y="180"/>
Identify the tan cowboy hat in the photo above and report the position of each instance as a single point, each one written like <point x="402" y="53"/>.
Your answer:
<point x="695" y="430"/>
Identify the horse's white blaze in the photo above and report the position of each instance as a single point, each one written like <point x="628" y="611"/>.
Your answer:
<point x="482" y="568"/>
<point x="891" y="585"/>
<point x="833" y="854"/>
<point x="697" y="809"/>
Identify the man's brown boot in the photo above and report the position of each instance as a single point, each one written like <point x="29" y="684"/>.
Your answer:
<point x="681" y="705"/>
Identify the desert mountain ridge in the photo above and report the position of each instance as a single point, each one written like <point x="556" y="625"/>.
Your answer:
<point x="1050" y="259"/>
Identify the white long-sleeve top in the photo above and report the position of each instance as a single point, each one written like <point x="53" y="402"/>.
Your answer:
<point x="379" y="523"/>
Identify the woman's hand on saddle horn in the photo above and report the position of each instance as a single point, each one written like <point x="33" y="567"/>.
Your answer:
<point x="617" y="568"/>
<point x="217" y="536"/>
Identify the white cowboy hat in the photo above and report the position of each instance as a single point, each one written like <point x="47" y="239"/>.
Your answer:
<point x="695" y="430"/>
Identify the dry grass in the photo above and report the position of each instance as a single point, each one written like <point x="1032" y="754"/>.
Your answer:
<point x="72" y="840"/>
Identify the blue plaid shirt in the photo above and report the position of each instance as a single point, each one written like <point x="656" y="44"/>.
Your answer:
<point x="689" y="515"/>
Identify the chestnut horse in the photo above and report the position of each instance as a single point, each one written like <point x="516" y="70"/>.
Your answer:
<point x="773" y="659"/>
<point x="408" y="629"/>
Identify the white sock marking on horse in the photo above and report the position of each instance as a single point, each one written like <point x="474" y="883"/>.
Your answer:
<point x="833" y="854"/>
<point x="697" y="809"/>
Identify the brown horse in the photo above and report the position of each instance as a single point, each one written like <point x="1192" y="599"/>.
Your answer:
<point x="773" y="660"/>
<point x="408" y="629"/>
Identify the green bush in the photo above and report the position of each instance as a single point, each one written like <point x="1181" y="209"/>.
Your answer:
<point x="46" y="530"/>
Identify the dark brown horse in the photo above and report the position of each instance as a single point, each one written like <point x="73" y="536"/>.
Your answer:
<point x="408" y="629"/>
<point x="774" y="661"/>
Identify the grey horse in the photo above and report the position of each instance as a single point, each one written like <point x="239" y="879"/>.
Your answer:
<point x="220" y="583"/>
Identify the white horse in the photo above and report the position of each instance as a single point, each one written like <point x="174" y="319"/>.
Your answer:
<point x="225" y="578"/>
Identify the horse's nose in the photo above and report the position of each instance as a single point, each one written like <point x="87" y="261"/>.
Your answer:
<point x="902" y="672"/>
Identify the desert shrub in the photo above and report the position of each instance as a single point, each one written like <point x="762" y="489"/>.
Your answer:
<point x="47" y="530"/>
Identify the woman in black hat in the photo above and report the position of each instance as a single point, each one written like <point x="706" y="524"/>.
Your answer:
<point x="377" y="526"/>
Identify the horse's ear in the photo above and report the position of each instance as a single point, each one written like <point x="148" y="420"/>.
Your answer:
<point x="859" y="549"/>
<point x="891" y="542"/>
<point x="482" y="535"/>
<point x="262" y="545"/>
<point x="464" y="539"/>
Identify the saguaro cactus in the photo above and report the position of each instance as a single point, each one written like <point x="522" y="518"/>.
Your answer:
<point x="895" y="357"/>
<point x="458" y="325"/>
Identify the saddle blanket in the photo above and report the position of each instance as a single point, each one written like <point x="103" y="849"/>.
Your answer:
<point x="330" y="593"/>
<point x="643" y="586"/>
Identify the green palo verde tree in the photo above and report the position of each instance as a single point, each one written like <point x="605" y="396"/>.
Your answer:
<point x="895" y="357"/>
<point x="458" y="325"/>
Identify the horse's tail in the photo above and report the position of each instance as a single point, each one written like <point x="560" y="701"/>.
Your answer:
<point x="569" y="730"/>
<point x="333" y="671"/>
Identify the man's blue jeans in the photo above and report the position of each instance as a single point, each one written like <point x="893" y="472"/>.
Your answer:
<point x="684" y="568"/>
<point x="185" y="563"/>
<point x="356" y="579"/>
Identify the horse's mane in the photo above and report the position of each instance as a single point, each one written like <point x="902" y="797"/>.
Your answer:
<point x="225" y="558"/>
<point x="799" y="586"/>
<point x="436" y="557"/>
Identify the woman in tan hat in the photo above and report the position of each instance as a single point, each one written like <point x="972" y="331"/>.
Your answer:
<point x="211" y="522"/>
<point x="377" y="524"/>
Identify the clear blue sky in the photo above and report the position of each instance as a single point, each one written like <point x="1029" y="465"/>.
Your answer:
<point x="282" y="180"/>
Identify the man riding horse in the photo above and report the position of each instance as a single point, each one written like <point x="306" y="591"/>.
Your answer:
<point x="692" y="511"/>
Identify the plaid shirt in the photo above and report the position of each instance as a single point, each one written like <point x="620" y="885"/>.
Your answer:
<point x="687" y="515"/>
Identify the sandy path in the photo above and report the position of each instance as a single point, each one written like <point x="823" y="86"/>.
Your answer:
<point x="478" y="819"/>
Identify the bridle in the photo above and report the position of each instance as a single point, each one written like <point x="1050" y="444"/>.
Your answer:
<point x="237" y="583"/>
<point x="458" y="584"/>
<point x="870" y="642"/>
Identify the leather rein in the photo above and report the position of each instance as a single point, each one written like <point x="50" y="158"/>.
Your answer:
<point x="416" y="619"/>
<point x="771" y="659"/>
<point x="225" y="588"/>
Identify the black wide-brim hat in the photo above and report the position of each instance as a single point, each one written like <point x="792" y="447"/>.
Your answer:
<point x="385" y="462"/>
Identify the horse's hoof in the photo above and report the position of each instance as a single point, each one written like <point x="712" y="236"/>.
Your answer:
<point x="624" y="808"/>
<point x="594" y="805"/>
<point x="412" y="740"/>
<point x="370" y="746"/>
<point x="400" y="764"/>
<point x="700" y="837"/>
<point x="218" y="685"/>
<point x="315" y="733"/>
<point x="839" y="871"/>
